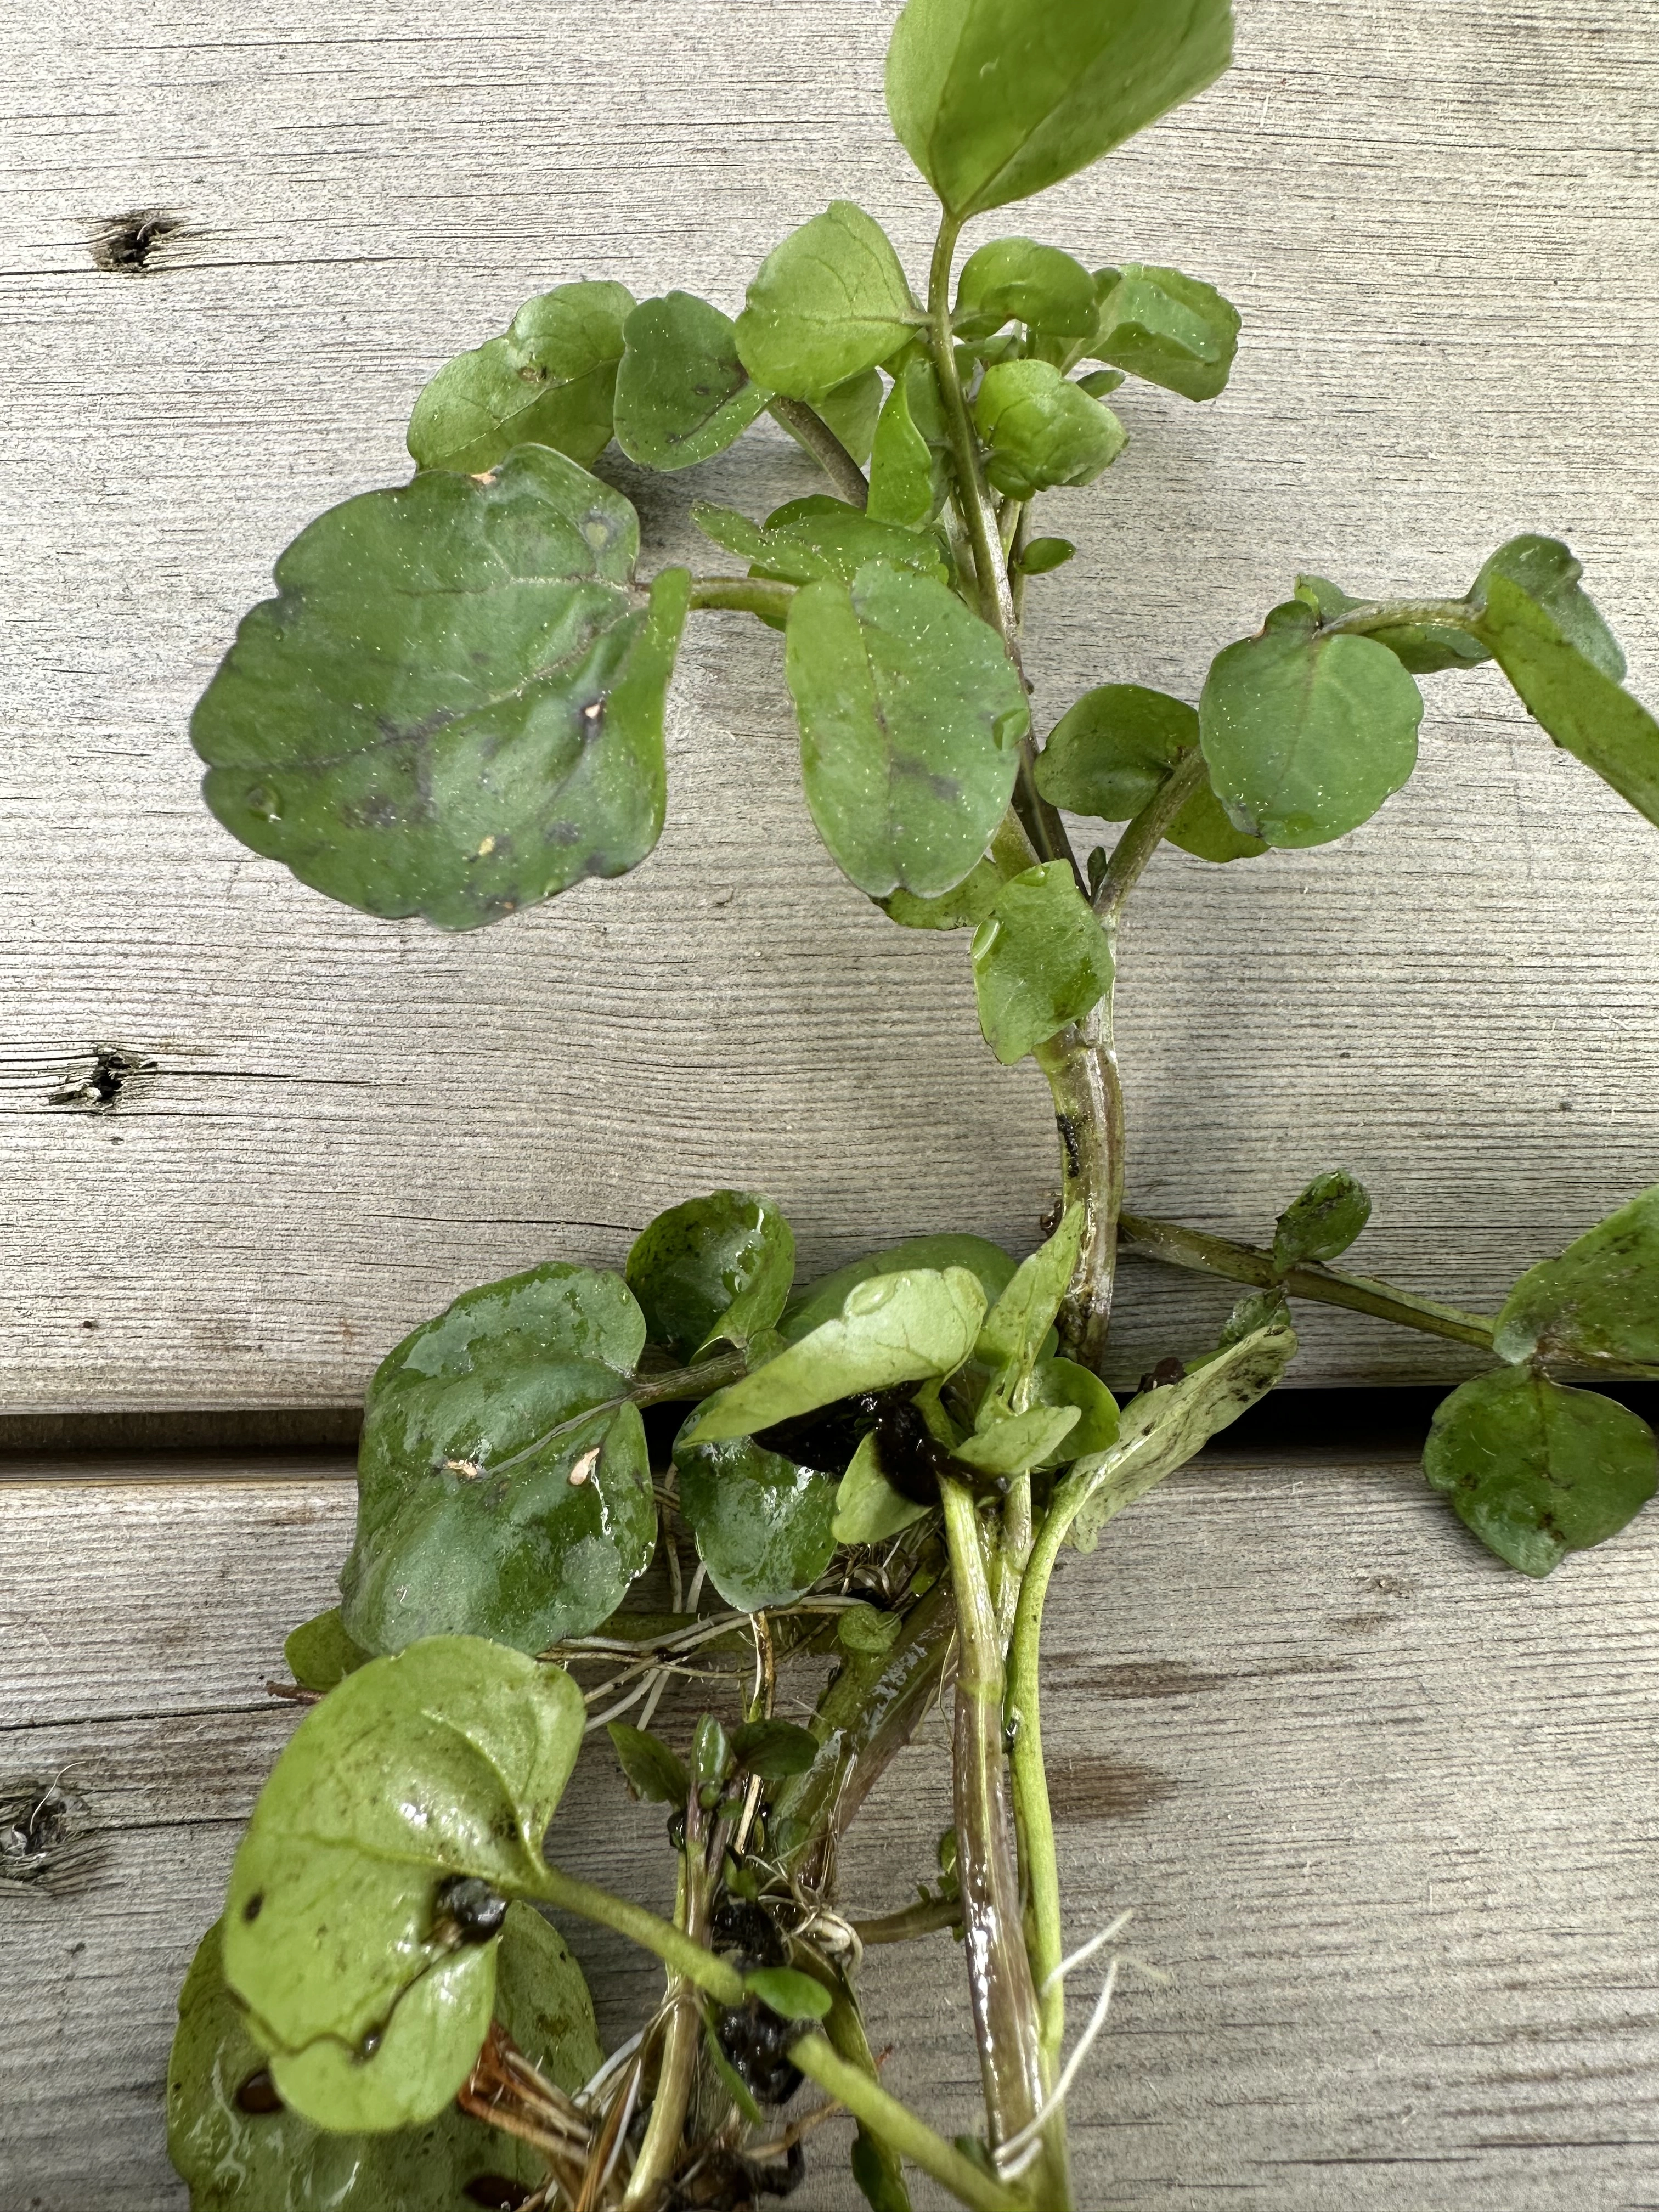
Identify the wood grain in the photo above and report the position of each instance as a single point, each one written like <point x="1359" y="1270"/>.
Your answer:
<point x="1385" y="1813"/>
<point x="1435" y="222"/>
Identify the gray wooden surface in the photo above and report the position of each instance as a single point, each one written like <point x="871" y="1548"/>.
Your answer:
<point x="1385" y="1816"/>
<point x="1438" y="223"/>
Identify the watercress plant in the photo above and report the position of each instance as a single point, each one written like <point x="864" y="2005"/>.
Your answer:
<point x="453" y="708"/>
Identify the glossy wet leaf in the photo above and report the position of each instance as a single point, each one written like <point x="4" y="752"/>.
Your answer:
<point x="1547" y="572"/>
<point x="890" y="1328"/>
<point x="319" y="1653"/>
<point x="455" y="707"/>
<point x="682" y="393"/>
<point x="1107" y="755"/>
<point x="1169" y="330"/>
<point x="1424" y="648"/>
<point x="829" y="303"/>
<point x="654" y="1773"/>
<point x="822" y="1301"/>
<point x="1586" y="713"/>
<point x="1017" y="1325"/>
<point x="1306" y="735"/>
<point x="447" y="1760"/>
<point x="761" y="1521"/>
<point x="773" y="1749"/>
<point x="1597" y="1303"/>
<point x="1040" y="962"/>
<point x="868" y="1507"/>
<point x="1015" y="280"/>
<point x="964" y="908"/>
<point x="791" y="1994"/>
<point x="911" y="714"/>
<point x="550" y="382"/>
<point x="504" y="1487"/>
<point x="1321" y="1222"/>
<point x="1063" y="1382"/>
<point x="711" y="1754"/>
<point x="1022" y="1441"/>
<point x="1041" y="431"/>
<point x="240" y="2150"/>
<point x="713" y="1269"/>
<point x="993" y="99"/>
<point x="1537" y="1471"/>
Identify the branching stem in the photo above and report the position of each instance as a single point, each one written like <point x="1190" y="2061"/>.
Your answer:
<point x="809" y="429"/>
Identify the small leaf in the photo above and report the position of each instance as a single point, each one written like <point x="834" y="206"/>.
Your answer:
<point x="965" y="907"/>
<point x="828" y="304"/>
<point x="1259" y="1309"/>
<point x="890" y="1328"/>
<point x="1015" y="280"/>
<point x="1598" y="1303"/>
<point x="1424" y="648"/>
<point x="319" y="1653"/>
<point x="733" y="2083"/>
<point x="909" y="476"/>
<point x="1100" y="383"/>
<point x="1581" y="707"/>
<point x="447" y="1760"/>
<point x="713" y="1269"/>
<point x="866" y="1628"/>
<point x="1547" y="572"/>
<point x="682" y="393"/>
<point x="911" y="714"/>
<point x="1041" y="555"/>
<point x="1063" y="1382"/>
<point x="868" y="1509"/>
<point x="1169" y="329"/>
<point x="1019" y="1442"/>
<point x="1537" y="1471"/>
<point x="1041" y="430"/>
<point x="1321" y="1221"/>
<point x="1018" y="1323"/>
<point x="653" y="1772"/>
<point x="852" y="411"/>
<point x="549" y="381"/>
<point x="822" y="1300"/>
<point x="837" y="540"/>
<point x="504" y="1486"/>
<point x="876" y="2170"/>
<point x="1107" y="755"/>
<point x="711" y="1754"/>
<point x="762" y="1522"/>
<point x="453" y="707"/>
<point x="1040" y="962"/>
<point x="790" y="1993"/>
<point x="1306" y="736"/>
<point x="773" y="1749"/>
<point x="994" y="100"/>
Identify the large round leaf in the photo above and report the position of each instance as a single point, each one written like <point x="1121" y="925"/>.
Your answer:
<point x="1307" y="735"/>
<point x="1107" y="755"/>
<point x="1599" y="1302"/>
<point x="822" y="1301"/>
<point x="682" y="393"/>
<point x="911" y="714"/>
<point x="1537" y="1471"/>
<point x="890" y="1328"/>
<point x="548" y="382"/>
<point x="762" y="1522"/>
<point x="447" y="1761"/>
<point x="1041" y="961"/>
<point x="993" y="99"/>
<point x="828" y="304"/>
<point x="455" y="707"/>
<point x="715" y="1268"/>
<point x="240" y="2150"/>
<point x="504" y="1487"/>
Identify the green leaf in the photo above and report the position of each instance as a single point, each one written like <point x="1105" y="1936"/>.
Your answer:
<point x="1581" y="707"/>
<point x="994" y="100"/>
<point x="1537" y="1471"/>
<point x="1015" y="280"/>
<point x="240" y="2150"/>
<point x="1169" y="329"/>
<point x="1258" y="1310"/>
<point x="455" y="707"/>
<point x="911" y="715"/>
<point x="891" y="1328"/>
<point x="822" y="1300"/>
<point x="828" y="304"/>
<point x="319" y="1653"/>
<point x="866" y="1628"/>
<point x="1107" y="755"/>
<point x="909" y="473"/>
<point x="790" y="1995"/>
<point x="816" y="538"/>
<point x="716" y="1268"/>
<point x="773" y="1749"/>
<point x="1040" y="962"/>
<point x="549" y="382"/>
<point x="852" y="411"/>
<point x="876" y="2170"/>
<point x="965" y="907"/>
<point x="762" y="1522"/>
<point x="711" y="1754"/>
<point x="1040" y="555"/>
<point x="447" y="1761"/>
<point x="1547" y="572"/>
<point x="1099" y="383"/>
<point x="654" y="1773"/>
<point x="682" y="393"/>
<point x="504" y="1486"/>
<point x="1424" y="648"/>
<point x="1063" y="1382"/>
<point x="1598" y="1303"/>
<point x="1041" y="430"/>
<point x="1018" y="1323"/>
<point x="1306" y="736"/>
<point x="1321" y="1221"/>
<point x="868" y="1509"/>
<point x="1021" y="1441"/>
<point x="733" y="2083"/>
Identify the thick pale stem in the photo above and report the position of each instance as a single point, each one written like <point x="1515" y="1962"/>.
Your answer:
<point x="743" y="595"/>
<point x="867" y="2100"/>
<point x="1081" y="1066"/>
<point x="676" y="2070"/>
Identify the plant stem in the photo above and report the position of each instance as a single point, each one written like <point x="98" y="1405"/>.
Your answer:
<point x="1144" y="834"/>
<point x="1081" y="1065"/>
<point x="809" y="429"/>
<point x="744" y="595"/>
<point x="664" y="2142"/>
<point x="924" y="1918"/>
<point x="868" y="2102"/>
<point x="1383" y="614"/>
<point x="1244" y="1263"/>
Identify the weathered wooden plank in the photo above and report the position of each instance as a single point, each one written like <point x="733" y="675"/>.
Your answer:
<point x="1429" y="218"/>
<point x="1385" y="1813"/>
